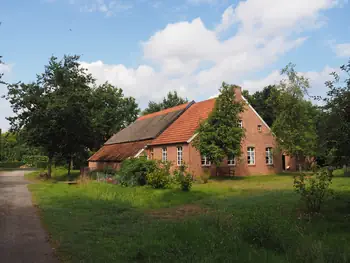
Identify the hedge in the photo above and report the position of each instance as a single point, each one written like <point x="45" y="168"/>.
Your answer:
<point x="11" y="164"/>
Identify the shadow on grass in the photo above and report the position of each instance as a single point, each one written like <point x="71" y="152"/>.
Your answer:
<point x="106" y="223"/>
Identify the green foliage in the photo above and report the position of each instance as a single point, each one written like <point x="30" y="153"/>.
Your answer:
<point x="111" y="112"/>
<point x="34" y="160"/>
<point x="171" y="100"/>
<point x="314" y="190"/>
<point x="14" y="164"/>
<point x="295" y="126"/>
<point x="183" y="178"/>
<point x="134" y="171"/>
<point x="264" y="102"/>
<point x="220" y="136"/>
<point x="335" y="139"/>
<point x="160" y="177"/>
<point x="205" y="175"/>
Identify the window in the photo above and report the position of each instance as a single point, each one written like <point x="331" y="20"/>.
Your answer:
<point x="269" y="156"/>
<point x="231" y="160"/>
<point x="259" y="128"/>
<point x="205" y="161"/>
<point x="251" y="156"/>
<point x="151" y="153"/>
<point x="164" y="154"/>
<point x="179" y="156"/>
<point x="240" y="124"/>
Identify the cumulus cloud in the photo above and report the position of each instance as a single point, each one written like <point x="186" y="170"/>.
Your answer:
<point x="316" y="79"/>
<point x="342" y="50"/>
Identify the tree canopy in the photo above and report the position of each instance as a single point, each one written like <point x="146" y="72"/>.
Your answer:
<point x="171" y="100"/>
<point x="220" y="136"/>
<point x="294" y="125"/>
<point x="63" y="113"/>
<point x="335" y="138"/>
<point x="111" y="112"/>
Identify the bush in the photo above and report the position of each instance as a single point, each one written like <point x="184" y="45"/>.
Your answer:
<point x="134" y="171"/>
<point x="37" y="161"/>
<point x="205" y="176"/>
<point x="183" y="178"/>
<point x="314" y="190"/>
<point x="14" y="164"/>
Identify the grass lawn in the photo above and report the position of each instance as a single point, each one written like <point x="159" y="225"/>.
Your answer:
<point x="253" y="219"/>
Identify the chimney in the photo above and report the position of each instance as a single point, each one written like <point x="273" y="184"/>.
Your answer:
<point x="238" y="91"/>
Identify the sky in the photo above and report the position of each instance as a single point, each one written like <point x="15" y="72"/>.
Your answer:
<point x="149" y="48"/>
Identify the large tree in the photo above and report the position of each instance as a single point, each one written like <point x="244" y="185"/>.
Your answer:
<point x="336" y="133"/>
<point x="171" y="100"/>
<point x="220" y="135"/>
<point x="54" y="111"/>
<point x="295" y="127"/>
<point x="111" y="112"/>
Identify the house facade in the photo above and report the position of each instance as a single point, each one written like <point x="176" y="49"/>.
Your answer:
<point x="174" y="142"/>
<point x="259" y="151"/>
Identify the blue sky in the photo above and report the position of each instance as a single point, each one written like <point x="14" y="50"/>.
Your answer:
<point x="151" y="47"/>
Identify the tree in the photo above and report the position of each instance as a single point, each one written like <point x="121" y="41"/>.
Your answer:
<point x="264" y="102"/>
<point x="220" y="135"/>
<point x="294" y="126"/>
<point x="171" y="100"/>
<point x="111" y="112"/>
<point x="336" y="135"/>
<point x="54" y="112"/>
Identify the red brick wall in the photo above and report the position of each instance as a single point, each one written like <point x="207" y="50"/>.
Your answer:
<point x="103" y="165"/>
<point x="260" y="140"/>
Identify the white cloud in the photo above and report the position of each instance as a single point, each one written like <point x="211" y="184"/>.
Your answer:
<point x="342" y="50"/>
<point x="317" y="81"/>
<point x="227" y="19"/>
<point x="107" y="7"/>
<point x="266" y="30"/>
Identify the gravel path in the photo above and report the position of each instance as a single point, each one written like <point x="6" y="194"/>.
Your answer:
<point x="22" y="238"/>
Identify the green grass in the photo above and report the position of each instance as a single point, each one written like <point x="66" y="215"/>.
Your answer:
<point x="252" y="219"/>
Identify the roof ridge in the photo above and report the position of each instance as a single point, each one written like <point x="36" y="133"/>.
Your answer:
<point x="164" y="111"/>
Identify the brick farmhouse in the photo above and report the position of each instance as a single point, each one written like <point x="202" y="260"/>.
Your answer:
<point x="168" y="135"/>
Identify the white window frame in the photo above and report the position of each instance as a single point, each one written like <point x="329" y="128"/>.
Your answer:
<point x="240" y="124"/>
<point x="179" y="155"/>
<point x="269" y="156"/>
<point x="231" y="161"/>
<point x="205" y="161"/>
<point x="164" y="154"/>
<point x="251" y="156"/>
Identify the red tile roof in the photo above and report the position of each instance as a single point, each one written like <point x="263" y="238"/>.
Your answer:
<point x="118" y="152"/>
<point x="176" y="108"/>
<point x="186" y="125"/>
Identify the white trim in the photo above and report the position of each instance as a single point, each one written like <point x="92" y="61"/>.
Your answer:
<point x="257" y="114"/>
<point x="140" y="151"/>
<point x="193" y="136"/>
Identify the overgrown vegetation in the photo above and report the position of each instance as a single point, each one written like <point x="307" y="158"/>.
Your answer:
<point x="251" y="219"/>
<point x="314" y="189"/>
<point x="160" y="178"/>
<point x="183" y="178"/>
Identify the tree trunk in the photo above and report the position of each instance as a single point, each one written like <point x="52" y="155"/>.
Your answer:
<point x="69" y="168"/>
<point x="49" y="168"/>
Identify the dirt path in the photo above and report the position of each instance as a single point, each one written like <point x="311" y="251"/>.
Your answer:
<point x="22" y="238"/>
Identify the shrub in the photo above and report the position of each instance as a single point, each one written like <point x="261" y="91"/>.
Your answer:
<point x="37" y="161"/>
<point x="205" y="177"/>
<point x="313" y="190"/>
<point x="134" y="171"/>
<point x="14" y="164"/>
<point x="183" y="178"/>
<point x="160" y="177"/>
